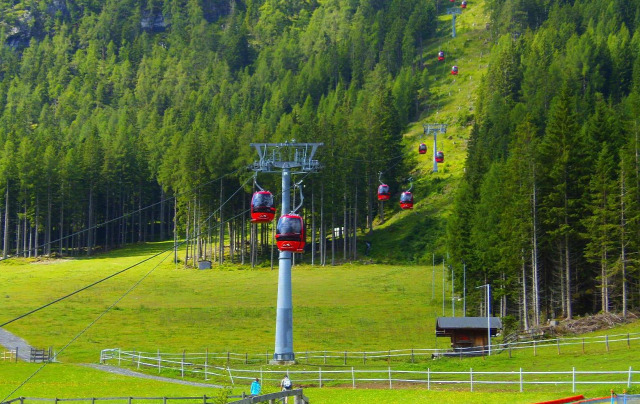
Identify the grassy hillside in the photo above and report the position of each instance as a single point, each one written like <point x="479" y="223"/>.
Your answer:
<point x="415" y="235"/>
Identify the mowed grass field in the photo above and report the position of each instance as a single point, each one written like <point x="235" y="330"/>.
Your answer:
<point x="351" y="307"/>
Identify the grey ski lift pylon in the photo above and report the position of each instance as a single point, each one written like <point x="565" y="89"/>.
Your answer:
<point x="453" y="11"/>
<point x="289" y="158"/>
<point x="434" y="128"/>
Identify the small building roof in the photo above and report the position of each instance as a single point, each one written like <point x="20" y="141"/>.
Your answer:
<point x="454" y="323"/>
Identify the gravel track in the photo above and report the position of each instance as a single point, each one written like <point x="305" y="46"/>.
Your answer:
<point x="127" y="372"/>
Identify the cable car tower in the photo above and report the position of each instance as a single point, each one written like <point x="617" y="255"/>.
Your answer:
<point x="288" y="158"/>
<point x="454" y="11"/>
<point x="435" y="128"/>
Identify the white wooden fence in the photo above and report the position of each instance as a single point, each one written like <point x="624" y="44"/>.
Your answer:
<point x="353" y="377"/>
<point x="601" y="343"/>
<point x="8" y="355"/>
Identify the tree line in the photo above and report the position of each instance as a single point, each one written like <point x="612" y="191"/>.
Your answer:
<point x="113" y="114"/>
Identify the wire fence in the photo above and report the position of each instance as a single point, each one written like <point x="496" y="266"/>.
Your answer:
<point x="355" y="377"/>
<point x="603" y="343"/>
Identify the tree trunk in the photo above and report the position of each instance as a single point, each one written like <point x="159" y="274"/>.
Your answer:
<point x="525" y="302"/>
<point x="534" y="256"/>
<point x="90" y="233"/>
<point x="5" y="242"/>
<point x="623" y="255"/>
<point x="567" y="281"/>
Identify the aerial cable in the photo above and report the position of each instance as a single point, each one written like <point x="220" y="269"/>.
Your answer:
<point x="173" y="247"/>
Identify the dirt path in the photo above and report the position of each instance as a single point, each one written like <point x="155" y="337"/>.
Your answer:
<point x="127" y="372"/>
<point x="11" y="342"/>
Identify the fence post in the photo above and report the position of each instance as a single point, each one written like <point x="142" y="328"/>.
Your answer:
<point x="261" y="377"/>
<point x="534" y="347"/>
<point x="246" y="358"/>
<point x="471" y="378"/>
<point x="428" y="378"/>
<point x="412" y="358"/>
<point x="164" y="400"/>
<point x="119" y="356"/>
<point x="228" y="358"/>
<point x="558" y="344"/>
<point x="353" y="378"/>
<point x="16" y="354"/>
<point x="389" y="357"/>
<point x="364" y="358"/>
<point x="159" y="361"/>
<point x="345" y="357"/>
<point x="307" y="357"/>
<point x="628" y="341"/>
<point x="320" y="376"/>
<point x="606" y="341"/>
<point x="182" y="364"/>
<point x="139" y="354"/>
<point x="390" y="384"/>
<point x="629" y="379"/>
<point x="204" y="399"/>
<point x="521" y="382"/>
<point x="582" y="345"/>
<point x="509" y="350"/>
<point x="573" y="379"/>
<point x="266" y="358"/>
<point x="325" y="357"/>
<point x="206" y="376"/>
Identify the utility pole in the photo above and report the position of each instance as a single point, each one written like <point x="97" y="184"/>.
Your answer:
<point x="488" y="307"/>
<point x="290" y="159"/>
<point x="453" y="11"/>
<point x="434" y="128"/>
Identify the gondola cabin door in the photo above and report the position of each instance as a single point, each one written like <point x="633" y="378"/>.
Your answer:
<point x="290" y="233"/>
<point x="262" y="207"/>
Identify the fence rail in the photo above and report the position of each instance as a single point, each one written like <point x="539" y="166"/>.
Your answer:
<point x="388" y="376"/>
<point x="9" y="355"/>
<point x="603" y="342"/>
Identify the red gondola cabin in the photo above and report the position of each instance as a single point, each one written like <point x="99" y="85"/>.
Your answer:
<point x="290" y="233"/>
<point x="440" y="56"/>
<point x="439" y="157"/>
<point x="463" y="5"/>
<point x="454" y="70"/>
<point x="383" y="192"/>
<point x="262" y="207"/>
<point x="422" y="149"/>
<point x="406" y="200"/>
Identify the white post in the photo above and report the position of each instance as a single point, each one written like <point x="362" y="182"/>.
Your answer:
<point x="138" y="360"/>
<point x="428" y="378"/>
<point x="488" y="316"/>
<point x="261" y="376"/>
<point x="119" y="356"/>
<point x="159" y="361"/>
<point x="573" y="379"/>
<point x="629" y="380"/>
<point x="353" y="378"/>
<point x="390" y="385"/>
<point x="521" y="380"/>
<point x="182" y="365"/>
<point x="471" y="378"/>
<point x="320" y="376"/>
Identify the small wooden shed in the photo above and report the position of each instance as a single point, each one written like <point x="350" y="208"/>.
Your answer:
<point x="467" y="333"/>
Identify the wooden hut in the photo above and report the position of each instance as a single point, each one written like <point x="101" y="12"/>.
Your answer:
<point x="467" y="333"/>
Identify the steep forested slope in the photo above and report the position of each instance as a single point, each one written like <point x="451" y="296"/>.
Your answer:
<point x="549" y="208"/>
<point x="107" y="107"/>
